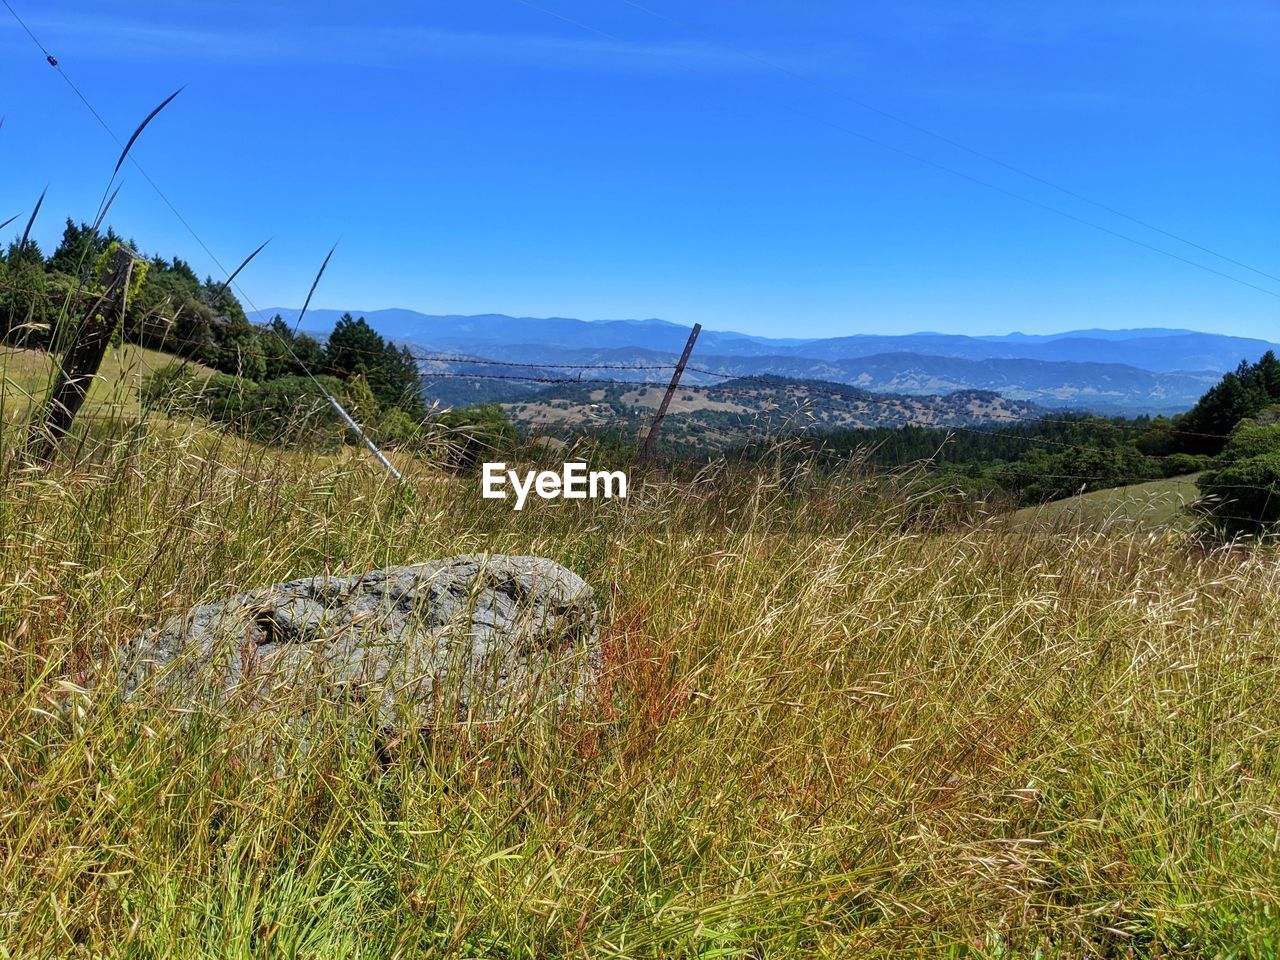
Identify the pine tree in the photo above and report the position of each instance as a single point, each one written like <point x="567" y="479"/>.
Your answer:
<point x="79" y="248"/>
<point x="25" y="309"/>
<point x="356" y="349"/>
<point x="1269" y="373"/>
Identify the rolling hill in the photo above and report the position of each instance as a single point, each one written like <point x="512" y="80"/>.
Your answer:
<point x="706" y="418"/>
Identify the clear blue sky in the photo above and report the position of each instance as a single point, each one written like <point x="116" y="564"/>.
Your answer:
<point x="481" y="156"/>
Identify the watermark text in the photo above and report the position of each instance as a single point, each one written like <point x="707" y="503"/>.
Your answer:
<point x="573" y="482"/>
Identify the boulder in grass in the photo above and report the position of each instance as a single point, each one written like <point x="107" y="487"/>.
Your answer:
<point x="473" y="638"/>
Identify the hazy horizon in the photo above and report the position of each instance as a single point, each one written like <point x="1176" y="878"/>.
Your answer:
<point x="320" y="310"/>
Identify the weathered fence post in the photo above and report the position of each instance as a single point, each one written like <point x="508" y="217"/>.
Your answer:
<point x="79" y="363"/>
<point x="646" y="452"/>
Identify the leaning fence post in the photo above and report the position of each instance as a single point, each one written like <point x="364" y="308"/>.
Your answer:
<point x="79" y="364"/>
<point x="650" y="441"/>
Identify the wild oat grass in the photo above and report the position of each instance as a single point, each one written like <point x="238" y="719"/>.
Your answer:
<point x="828" y="728"/>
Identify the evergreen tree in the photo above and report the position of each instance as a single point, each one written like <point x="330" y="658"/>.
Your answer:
<point x="25" y="308"/>
<point x="356" y="349"/>
<point x="237" y="342"/>
<point x="402" y="382"/>
<point x="288" y="354"/>
<point x="222" y="301"/>
<point x="1269" y="374"/>
<point x="78" y="250"/>
<point x="1237" y="396"/>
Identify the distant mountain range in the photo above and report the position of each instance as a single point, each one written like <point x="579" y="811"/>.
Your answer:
<point x="1151" y="370"/>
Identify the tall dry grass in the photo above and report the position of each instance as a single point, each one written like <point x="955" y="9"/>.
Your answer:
<point x="829" y="727"/>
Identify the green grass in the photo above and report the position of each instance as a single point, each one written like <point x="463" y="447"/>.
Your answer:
<point x="828" y="727"/>
<point x="25" y="376"/>
<point x="1154" y="505"/>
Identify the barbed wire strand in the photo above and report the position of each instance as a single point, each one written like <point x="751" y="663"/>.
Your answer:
<point x="1093" y="420"/>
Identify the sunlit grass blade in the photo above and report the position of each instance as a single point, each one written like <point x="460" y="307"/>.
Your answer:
<point x="142" y="126"/>
<point x="26" y="234"/>
<point x="106" y="207"/>
<point x="244" y="263"/>
<point x="315" y="283"/>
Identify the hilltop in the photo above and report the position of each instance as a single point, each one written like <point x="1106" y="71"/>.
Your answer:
<point x="710" y="418"/>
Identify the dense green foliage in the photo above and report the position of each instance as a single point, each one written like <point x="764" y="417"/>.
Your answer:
<point x="287" y="409"/>
<point x="1027" y="464"/>
<point x="1051" y="459"/>
<point x="1238" y="396"/>
<point x="478" y="433"/>
<point x="203" y="321"/>
<point x="355" y="349"/>
<point x="1241" y="495"/>
<point x="269" y="377"/>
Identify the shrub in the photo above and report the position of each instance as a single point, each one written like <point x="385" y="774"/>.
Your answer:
<point x="1244" y="497"/>
<point x="165" y="388"/>
<point x="291" y="409"/>
<point x="295" y="409"/>
<point x="1181" y="464"/>
<point x="396" y="428"/>
<point x="474" y="434"/>
<point x="1251" y="439"/>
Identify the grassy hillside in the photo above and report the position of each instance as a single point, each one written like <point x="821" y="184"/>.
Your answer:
<point x="25" y="376"/>
<point x="1154" y="505"/>
<point x="828" y="728"/>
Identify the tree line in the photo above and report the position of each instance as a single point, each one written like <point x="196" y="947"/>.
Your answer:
<point x="199" y="321"/>
<point x="1230" y="440"/>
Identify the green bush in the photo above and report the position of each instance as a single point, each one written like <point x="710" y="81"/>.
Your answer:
<point x="1243" y="497"/>
<point x="1251" y="439"/>
<point x="1181" y="464"/>
<point x="396" y="428"/>
<point x="475" y="434"/>
<point x="296" y="410"/>
<point x="288" y="410"/>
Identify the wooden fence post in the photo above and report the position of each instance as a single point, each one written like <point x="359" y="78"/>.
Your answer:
<point x="79" y="363"/>
<point x="646" y="452"/>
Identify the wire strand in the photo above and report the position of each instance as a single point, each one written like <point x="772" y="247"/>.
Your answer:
<point x="936" y="165"/>
<point x="943" y="138"/>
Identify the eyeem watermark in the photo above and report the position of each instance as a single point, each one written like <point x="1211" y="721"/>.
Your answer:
<point x="573" y="482"/>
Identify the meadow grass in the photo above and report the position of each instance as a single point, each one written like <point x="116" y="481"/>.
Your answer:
<point x="830" y="725"/>
<point x="1153" y="505"/>
<point x="25" y="377"/>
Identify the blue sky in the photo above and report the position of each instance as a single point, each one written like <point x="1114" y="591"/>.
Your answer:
<point x="485" y="156"/>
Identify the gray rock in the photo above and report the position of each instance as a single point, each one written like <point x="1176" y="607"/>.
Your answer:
<point x="473" y="637"/>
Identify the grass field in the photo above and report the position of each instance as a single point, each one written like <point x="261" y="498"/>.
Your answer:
<point x="826" y="730"/>
<point x="1147" y="506"/>
<point x="25" y="376"/>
